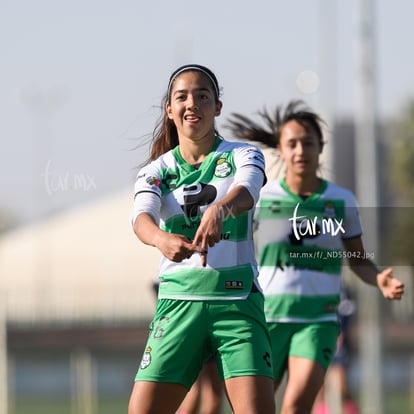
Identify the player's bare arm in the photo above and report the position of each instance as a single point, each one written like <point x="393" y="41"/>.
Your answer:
<point x="366" y="270"/>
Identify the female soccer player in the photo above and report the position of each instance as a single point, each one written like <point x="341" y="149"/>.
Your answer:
<point x="305" y="227"/>
<point x="195" y="201"/>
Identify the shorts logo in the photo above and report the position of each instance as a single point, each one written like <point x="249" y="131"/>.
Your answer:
<point x="223" y="168"/>
<point x="266" y="358"/>
<point x="234" y="284"/>
<point x="327" y="353"/>
<point x="146" y="358"/>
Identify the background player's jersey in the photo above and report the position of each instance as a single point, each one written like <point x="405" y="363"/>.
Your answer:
<point x="185" y="193"/>
<point x="299" y="250"/>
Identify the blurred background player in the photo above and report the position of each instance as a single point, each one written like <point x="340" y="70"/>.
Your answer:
<point x="304" y="224"/>
<point x="335" y="391"/>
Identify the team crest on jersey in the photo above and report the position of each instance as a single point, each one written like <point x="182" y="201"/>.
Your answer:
<point x="329" y="210"/>
<point x="223" y="168"/>
<point x="146" y="358"/>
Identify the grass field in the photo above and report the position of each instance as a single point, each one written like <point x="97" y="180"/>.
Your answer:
<point x="395" y="403"/>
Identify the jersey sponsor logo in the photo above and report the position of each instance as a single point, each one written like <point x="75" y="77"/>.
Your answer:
<point x="146" y="358"/>
<point x="330" y="308"/>
<point x="223" y="168"/>
<point x="195" y="196"/>
<point x="275" y="206"/>
<point x="234" y="284"/>
<point x="257" y="155"/>
<point x="153" y="181"/>
<point x="170" y="181"/>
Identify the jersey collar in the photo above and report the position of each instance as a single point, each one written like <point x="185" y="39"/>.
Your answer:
<point x="188" y="167"/>
<point x="297" y="197"/>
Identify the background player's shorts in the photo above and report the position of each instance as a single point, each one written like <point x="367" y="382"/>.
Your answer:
<point x="314" y="341"/>
<point x="184" y="334"/>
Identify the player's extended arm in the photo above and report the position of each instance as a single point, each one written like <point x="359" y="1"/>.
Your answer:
<point x="367" y="271"/>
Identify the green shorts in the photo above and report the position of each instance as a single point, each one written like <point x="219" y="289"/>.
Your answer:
<point x="314" y="341"/>
<point x="184" y="334"/>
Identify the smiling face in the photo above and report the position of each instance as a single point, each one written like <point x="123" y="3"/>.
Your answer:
<point x="299" y="147"/>
<point x="193" y="106"/>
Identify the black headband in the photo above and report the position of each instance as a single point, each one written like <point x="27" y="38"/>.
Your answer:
<point x="198" y="68"/>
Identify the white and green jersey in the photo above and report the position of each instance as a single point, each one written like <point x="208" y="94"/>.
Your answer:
<point x="176" y="194"/>
<point x="299" y="250"/>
